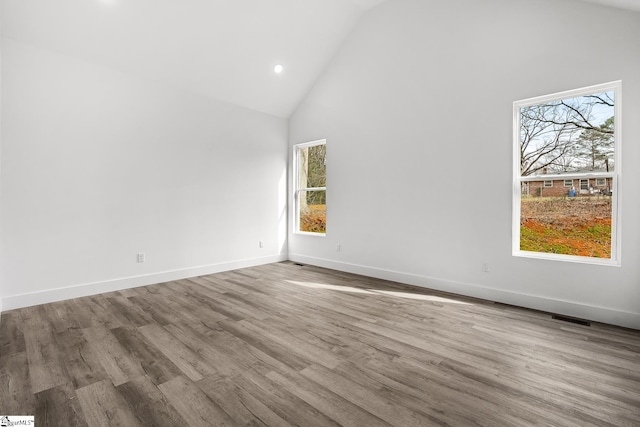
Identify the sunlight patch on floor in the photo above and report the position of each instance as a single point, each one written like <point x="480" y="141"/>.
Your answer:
<point x="342" y="288"/>
<point x="330" y="287"/>
<point x="423" y="297"/>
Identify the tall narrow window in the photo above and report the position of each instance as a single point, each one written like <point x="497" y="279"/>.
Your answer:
<point x="572" y="136"/>
<point x="310" y="176"/>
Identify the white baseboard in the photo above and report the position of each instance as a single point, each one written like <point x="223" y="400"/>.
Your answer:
<point x="568" y="308"/>
<point x="594" y="313"/>
<point x="86" y="289"/>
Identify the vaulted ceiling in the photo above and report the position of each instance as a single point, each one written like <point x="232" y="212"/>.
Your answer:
<point x="225" y="49"/>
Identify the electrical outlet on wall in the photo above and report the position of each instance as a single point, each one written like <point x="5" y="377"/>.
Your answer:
<point x="142" y="257"/>
<point x="485" y="267"/>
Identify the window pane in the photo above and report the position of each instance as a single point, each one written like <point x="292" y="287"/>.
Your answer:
<point x="565" y="145"/>
<point x="313" y="211"/>
<point x="312" y="166"/>
<point x="571" y="226"/>
<point x="568" y="135"/>
<point x="584" y="185"/>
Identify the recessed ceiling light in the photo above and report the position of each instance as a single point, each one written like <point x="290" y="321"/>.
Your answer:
<point x="278" y="69"/>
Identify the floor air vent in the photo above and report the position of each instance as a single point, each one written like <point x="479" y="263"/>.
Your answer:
<point x="571" y="319"/>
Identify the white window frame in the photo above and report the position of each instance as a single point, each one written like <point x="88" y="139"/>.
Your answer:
<point x="616" y="223"/>
<point x="547" y="181"/>
<point x="581" y="181"/>
<point x="601" y="182"/>
<point x="297" y="189"/>
<point x="570" y="183"/>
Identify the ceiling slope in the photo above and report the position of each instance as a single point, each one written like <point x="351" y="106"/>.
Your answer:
<point x="225" y="49"/>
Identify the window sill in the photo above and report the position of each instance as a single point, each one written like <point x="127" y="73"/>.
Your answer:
<point x="308" y="233"/>
<point x="567" y="258"/>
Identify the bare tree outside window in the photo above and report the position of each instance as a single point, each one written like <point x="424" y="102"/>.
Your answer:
<point x="567" y="134"/>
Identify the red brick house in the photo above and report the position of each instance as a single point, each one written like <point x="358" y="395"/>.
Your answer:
<point x="560" y="185"/>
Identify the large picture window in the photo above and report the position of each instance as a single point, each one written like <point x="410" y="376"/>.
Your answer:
<point x="310" y="176"/>
<point x="572" y="139"/>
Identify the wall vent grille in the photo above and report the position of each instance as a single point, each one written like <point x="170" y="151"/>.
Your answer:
<point x="569" y="319"/>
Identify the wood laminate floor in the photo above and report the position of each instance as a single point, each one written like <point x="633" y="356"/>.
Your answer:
<point x="283" y="344"/>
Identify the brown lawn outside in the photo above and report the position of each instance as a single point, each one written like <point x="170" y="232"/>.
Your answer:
<point x="571" y="226"/>
<point x="314" y="219"/>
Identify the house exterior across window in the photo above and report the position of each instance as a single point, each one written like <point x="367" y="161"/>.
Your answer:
<point x="557" y="185"/>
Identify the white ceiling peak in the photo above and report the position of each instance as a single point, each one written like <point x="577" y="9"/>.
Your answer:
<point x="225" y="49"/>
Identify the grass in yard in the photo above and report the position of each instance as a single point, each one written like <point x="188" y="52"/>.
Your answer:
<point x="591" y="239"/>
<point x="580" y="226"/>
<point x="314" y="219"/>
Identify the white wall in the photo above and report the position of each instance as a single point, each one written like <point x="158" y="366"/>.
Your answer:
<point x="98" y="165"/>
<point x="417" y="113"/>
